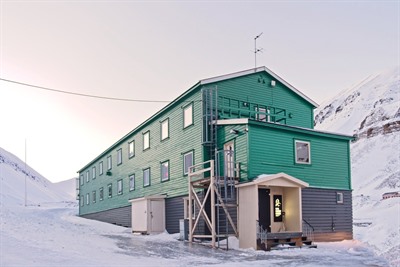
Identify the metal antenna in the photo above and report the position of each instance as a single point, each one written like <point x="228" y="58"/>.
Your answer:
<point x="256" y="50"/>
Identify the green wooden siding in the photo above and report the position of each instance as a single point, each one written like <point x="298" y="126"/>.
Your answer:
<point x="179" y="142"/>
<point x="272" y="151"/>
<point x="256" y="88"/>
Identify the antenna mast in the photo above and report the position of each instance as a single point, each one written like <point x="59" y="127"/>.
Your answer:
<point x="256" y="50"/>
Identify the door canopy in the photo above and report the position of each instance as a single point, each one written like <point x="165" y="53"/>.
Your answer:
<point x="279" y="179"/>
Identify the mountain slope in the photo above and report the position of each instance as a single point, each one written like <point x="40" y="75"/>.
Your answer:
<point x="39" y="190"/>
<point x="370" y="110"/>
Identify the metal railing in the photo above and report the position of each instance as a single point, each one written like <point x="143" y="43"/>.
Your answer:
<point x="308" y="231"/>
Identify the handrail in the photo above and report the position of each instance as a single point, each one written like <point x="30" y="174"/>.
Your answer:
<point x="312" y="227"/>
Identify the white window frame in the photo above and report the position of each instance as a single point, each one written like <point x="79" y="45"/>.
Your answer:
<point x="109" y="188"/>
<point x="131" y="182"/>
<point x="131" y="149"/>
<point x="164" y="129"/>
<point x="186" y="208"/>
<point x="146" y="140"/>
<point x="309" y="152"/>
<point x="119" y="156"/>
<point x="87" y="176"/>
<point x="188" y="115"/>
<point x="87" y="199"/>
<point x="93" y="172"/>
<point x="101" y="193"/>
<point x="120" y="187"/>
<point x="339" y="197"/>
<point x="101" y="168"/>
<point x="186" y="168"/>
<point x="146" y="174"/>
<point x="94" y="196"/>
<point x="109" y="163"/>
<point x="164" y="164"/>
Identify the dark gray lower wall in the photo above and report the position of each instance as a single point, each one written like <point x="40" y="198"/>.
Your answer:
<point x="173" y="213"/>
<point x="332" y="221"/>
<point x="119" y="216"/>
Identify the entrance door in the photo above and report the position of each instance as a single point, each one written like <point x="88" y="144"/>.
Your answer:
<point x="157" y="216"/>
<point x="264" y="209"/>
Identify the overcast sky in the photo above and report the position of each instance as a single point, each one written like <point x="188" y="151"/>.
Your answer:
<point x="156" y="50"/>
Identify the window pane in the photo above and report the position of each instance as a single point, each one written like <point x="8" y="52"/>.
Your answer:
<point x="81" y="178"/>
<point x="87" y="176"/>
<point x="302" y="152"/>
<point x="87" y="199"/>
<point x="119" y="187"/>
<point x="187" y="162"/>
<point x="101" y="193"/>
<point x="100" y="168"/>
<point x="119" y="156"/>
<point x="131" y="149"/>
<point x="94" y="196"/>
<point x="164" y="129"/>
<point x="146" y="177"/>
<point x="188" y="116"/>
<point x="165" y="171"/>
<point x="132" y="182"/>
<point x="94" y="172"/>
<point x="110" y="190"/>
<point x="109" y="163"/>
<point x="146" y="140"/>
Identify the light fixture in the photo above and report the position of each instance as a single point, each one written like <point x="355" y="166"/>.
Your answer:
<point x="234" y="131"/>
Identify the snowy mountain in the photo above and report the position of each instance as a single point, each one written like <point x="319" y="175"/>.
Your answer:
<point x="370" y="110"/>
<point x="13" y="173"/>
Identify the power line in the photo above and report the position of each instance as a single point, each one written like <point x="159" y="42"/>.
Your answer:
<point x="85" y="95"/>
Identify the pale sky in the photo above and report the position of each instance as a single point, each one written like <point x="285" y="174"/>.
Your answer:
<point x="156" y="50"/>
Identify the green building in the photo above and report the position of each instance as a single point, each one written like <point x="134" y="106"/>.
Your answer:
<point x="257" y="130"/>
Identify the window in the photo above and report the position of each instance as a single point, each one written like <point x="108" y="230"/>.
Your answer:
<point x="119" y="156"/>
<point x="165" y="171"/>
<point x="109" y="190"/>
<point x="146" y="177"/>
<point x="339" y="197"/>
<point x="131" y="182"/>
<point x="302" y="152"/>
<point x="94" y="172"/>
<point x="81" y="179"/>
<point x="187" y="161"/>
<point x="100" y="168"/>
<point x="101" y="193"/>
<point x="87" y="176"/>
<point x="188" y="115"/>
<point x="82" y="201"/>
<point x="165" y="129"/>
<point x="94" y="196"/>
<point x="119" y="187"/>
<point x="261" y="114"/>
<point x="186" y="208"/>
<point x="146" y="140"/>
<point x="131" y="149"/>
<point x="109" y="163"/>
<point x="87" y="198"/>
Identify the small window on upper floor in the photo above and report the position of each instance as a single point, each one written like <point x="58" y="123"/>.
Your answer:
<point x="100" y="168"/>
<point x="119" y="156"/>
<point x="164" y="129"/>
<point x="109" y="163"/>
<point x="188" y="115"/>
<point x="94" y="172"/>
<point x="146" y="140"/>
<point x="146" y="177"/>
<point x="339" y="197"/>
<point x="81" y="179"/>
<point x="165" y="171"/>
<point x="131" y="182"/>
<point x="119" y="187"/>
<point x="101" y="193"/>
<point x="187" y="162"/>
<point x="131" y="149"/>
<point x="302" y="152"/>
<point x="87" y="176"/>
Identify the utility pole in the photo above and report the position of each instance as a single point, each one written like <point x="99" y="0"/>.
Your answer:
<point x="256" y="50"/>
